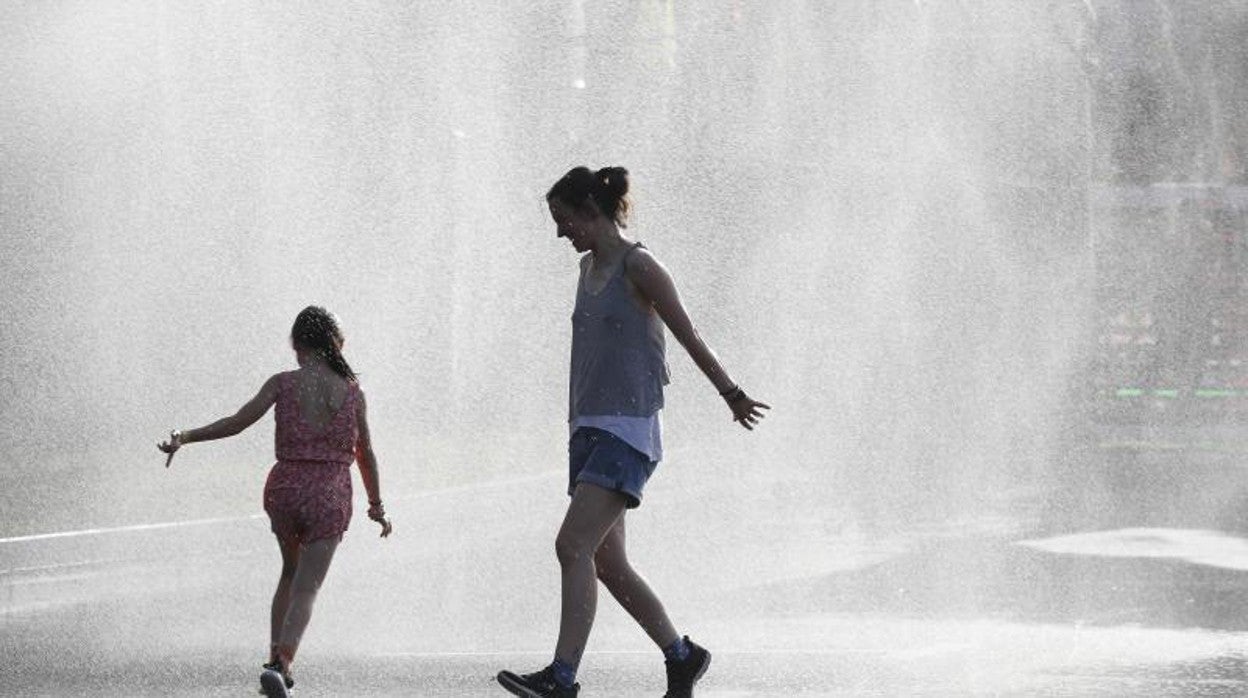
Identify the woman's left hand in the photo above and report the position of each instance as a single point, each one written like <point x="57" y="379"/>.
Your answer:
<point x="745" y="410"/>
<point x="171" y="446"/>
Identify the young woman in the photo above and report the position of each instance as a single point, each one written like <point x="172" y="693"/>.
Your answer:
<point x="623" y="300"/>
<point x="321" y="428"/>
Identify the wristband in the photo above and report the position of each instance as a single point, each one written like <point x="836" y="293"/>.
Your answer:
<point x="725" y="393"/>
<point x="734" y="395"/>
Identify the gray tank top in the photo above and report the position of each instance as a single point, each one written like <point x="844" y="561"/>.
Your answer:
<point x="619" y="365"/>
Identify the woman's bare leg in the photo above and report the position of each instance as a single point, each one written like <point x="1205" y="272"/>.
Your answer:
<point x="281" y="597"/>
<point x="591" y="514"/>
<point x="630" y="589"/>
<point x="313" y="565"/>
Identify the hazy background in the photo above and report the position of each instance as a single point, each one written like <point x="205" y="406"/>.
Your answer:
<point x="838" y="189"/>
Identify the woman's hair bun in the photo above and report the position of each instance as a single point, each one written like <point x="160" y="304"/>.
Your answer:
<point x="614" y="181"/>
<point x="612" y="196"/>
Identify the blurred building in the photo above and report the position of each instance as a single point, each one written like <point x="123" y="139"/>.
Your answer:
<point x="1169" y="209"/>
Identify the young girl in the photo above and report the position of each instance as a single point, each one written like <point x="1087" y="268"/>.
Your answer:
<point x="619" y="368"/>
<point x="321" y="428"/>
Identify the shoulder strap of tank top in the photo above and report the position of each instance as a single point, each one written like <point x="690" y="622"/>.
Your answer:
<point x="624" y="260"/>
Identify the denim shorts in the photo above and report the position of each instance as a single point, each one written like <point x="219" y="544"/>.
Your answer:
<point x="601" y="458"/>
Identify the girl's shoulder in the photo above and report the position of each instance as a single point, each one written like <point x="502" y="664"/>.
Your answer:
<point x="284" y="379"/>
<point x="275" y="385"/>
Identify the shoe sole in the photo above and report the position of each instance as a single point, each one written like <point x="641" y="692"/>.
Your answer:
<point x="273" y="685"/>
<point x="506" y="680"/>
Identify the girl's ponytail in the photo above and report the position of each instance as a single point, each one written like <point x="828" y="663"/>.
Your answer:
<point x="333" y="356"/>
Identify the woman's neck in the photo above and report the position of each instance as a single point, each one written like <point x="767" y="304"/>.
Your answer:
<point x="611" y="246"/>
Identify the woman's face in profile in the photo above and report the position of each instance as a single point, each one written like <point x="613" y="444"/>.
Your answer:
<point x="570" y="223"/>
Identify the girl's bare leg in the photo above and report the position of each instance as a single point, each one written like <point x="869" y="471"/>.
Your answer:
<point x="591" y="514"/>
<point x="281" y="597"/>
<point x="313" y="565"/>
<point x="630" y="589"/>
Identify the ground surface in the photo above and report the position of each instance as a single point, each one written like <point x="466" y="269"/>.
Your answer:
<point x="1133" y="586"/>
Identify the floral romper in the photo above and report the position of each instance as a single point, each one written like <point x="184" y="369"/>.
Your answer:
<point x="308" y="492"/>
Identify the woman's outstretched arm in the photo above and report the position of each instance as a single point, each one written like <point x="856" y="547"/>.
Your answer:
<point x="655" y="283"/>
<point x="247" y="415"/>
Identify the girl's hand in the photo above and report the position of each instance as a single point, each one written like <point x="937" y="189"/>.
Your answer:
<point x="171" y="446"/>
<point x="377" y="513"/>
<point x="745" y="409"/>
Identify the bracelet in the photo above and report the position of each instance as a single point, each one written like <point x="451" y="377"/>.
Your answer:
<point x="724" y="393"/>
<point x="736" y="394"/>
<point x="377" y="503"/>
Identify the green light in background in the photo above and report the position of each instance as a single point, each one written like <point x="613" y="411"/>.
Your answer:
<point x="1216" y="392"/>
<point x="1171" y="393"/>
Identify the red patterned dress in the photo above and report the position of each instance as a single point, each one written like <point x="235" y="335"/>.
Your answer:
<point x="308" y="493"/>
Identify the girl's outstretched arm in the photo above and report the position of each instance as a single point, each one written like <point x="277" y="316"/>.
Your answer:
<point x="655" y="283"/>
<point x="227" y="426"/>
<point x="367" y="462"/>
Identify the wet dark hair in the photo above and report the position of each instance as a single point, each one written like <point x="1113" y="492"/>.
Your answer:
<point x="316" y="329"/>
<point x="607" y="189"/>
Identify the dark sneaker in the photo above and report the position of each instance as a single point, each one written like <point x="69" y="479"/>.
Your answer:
<point x="286" y="677"/>
<point x="275" y="681"/>
<point x="681" y="676"/>
<point x="273" y="684"/>
<point x="540" y="684"/>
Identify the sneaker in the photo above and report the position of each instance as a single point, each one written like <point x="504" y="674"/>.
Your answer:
<point x="277" y="666"/>
<point x="540" y="684"/>
<point x="275" y="681"/>
<point x="273" y="684"/>
<point x="681" y="676"/>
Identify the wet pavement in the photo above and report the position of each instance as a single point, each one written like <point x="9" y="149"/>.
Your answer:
<point x="1126" y="577"/>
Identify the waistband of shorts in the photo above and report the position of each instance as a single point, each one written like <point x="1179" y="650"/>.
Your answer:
<point x="300" y="462"/>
